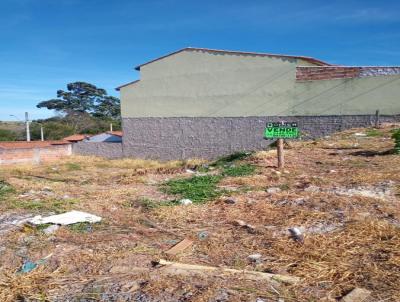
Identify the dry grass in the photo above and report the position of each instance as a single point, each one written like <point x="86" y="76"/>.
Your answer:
<point x="351" y="239"/>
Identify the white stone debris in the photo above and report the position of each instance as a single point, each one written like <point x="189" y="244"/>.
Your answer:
<point x="360" y="134"/>
<point x="276" y="173"/>
<point x="312" y="189"/>
<point x="51" y="229"/>
<point x="273" y="190"/>
<point x="255" y="258"/>
<point x="66" y="218"/>
<point x="185" y="202"/>
<point x="357" y="295"/>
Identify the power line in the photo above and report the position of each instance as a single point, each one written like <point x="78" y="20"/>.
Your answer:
<point x="312" y="98"/>
<point x="358" y="95"/>
<point x="262" y="104"/>
<point x="248" y="92"/>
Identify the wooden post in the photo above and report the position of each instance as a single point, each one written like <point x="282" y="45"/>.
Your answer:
<point x="377" y="119"/>
<point x="281" y="158"/>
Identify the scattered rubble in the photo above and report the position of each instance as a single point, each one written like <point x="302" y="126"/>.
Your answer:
<point x="9" y="222"/>
<point x="342" y="208"/>
<point x="383" y="190"/>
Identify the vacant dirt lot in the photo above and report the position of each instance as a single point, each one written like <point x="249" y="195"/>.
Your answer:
<point x="341" y="192"/>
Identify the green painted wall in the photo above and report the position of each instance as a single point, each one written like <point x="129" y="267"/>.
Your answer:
<point x="204" y="84"/>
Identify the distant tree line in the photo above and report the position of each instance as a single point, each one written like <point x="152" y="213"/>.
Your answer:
<point x="82" y="109"/>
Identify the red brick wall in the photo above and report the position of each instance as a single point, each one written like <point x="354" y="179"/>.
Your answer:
<point x="34" y="155"/>
<point x="309" y="73"/>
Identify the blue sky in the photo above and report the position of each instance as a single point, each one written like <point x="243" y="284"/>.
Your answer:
<point x="45" y="44"/>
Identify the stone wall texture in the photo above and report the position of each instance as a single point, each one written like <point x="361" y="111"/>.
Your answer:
<point x="211" y="137"/>
<point x="34" y="155"/>
<point x="102" y="149"/>
<point x="312" y="73"/>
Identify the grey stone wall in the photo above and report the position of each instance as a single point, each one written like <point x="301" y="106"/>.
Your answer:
<point x="107" y="150"/>
<point x="210" y="137"/>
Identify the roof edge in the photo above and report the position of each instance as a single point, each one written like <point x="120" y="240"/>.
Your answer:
<point x="309" y="59"/>
<point x="351" y="66"/>
<point x="133" y="82"/>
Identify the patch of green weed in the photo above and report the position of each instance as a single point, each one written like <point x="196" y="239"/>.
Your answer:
<point x="396" y="137"/>
<point x="53" y="205"/>
<point x="230" y="159"/>
<point x="73" y="166"/>
<point x="41" y="227"/>
<point x="5" y="189"/>
<point x="284" y="187"/>
<point x="196" y="188"/>
<point x="373" y="133"/>
<point x="80" y="227"/>
<point x="147" y="203"/>
<point x="241" y="170"/>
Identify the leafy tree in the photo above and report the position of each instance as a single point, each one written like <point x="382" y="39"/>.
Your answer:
<point x="84" y="108"/>
<point x="108" y="107"/>
<point x="79" y="97"/>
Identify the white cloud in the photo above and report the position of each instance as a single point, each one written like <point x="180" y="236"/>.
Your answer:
<point x="370" y="15"/>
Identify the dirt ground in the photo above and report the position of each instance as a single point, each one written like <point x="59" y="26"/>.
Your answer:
<point x="341" y="192"/>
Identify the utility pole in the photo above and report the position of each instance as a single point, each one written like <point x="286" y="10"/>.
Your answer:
<point x="28" y="133"/>
<point x="41" y="133"/>
<point x="111" y="127"/>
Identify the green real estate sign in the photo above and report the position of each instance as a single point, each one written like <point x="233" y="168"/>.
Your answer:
<point x="281" y="130"/>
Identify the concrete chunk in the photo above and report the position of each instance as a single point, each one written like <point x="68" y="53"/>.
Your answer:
<point x="357" y="295"/>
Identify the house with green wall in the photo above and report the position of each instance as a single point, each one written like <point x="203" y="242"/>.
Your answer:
<point x="204" y="103"/>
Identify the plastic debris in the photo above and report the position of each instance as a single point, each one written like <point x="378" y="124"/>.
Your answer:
<point x="29" y="266"/>
<point x="185" y="202"/>
<point x="203" y="235"/>
<point x="66" y="218"/>
<point x="296" y="234"/>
